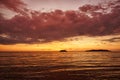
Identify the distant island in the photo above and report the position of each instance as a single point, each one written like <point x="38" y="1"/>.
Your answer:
<point x="98" y="50"/>
<point x="62" y="51"/>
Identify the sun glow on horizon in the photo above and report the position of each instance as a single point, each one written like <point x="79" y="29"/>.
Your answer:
<point x="49" y="25"/>
<point x="72" y="44"/>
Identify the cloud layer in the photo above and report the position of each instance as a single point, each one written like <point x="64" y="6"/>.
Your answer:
<point x="114" y="39"/>
<point x="14" y="5"/>
<point x="89" y="20"/>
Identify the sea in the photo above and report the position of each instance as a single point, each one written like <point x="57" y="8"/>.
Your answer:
<point x="53" y="65"/>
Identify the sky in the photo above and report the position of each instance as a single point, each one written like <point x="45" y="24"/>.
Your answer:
<point x="50" y="25"/>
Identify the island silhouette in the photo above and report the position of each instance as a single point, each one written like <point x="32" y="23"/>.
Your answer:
<point x="98" y="50"/>
<point x="63" y="51"/>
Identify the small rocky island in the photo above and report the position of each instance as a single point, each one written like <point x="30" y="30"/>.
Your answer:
<point x="98" y="50"/>
<point x="62" y="51"/>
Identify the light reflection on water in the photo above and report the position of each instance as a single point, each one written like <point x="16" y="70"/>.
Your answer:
<point x="27" y="65"/>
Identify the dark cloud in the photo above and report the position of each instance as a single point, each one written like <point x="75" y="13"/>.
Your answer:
<point x="114" y="39"/>
<point x="91" y="8"/>
<point x="58" y="25"/>
<point x="14" y="5"/>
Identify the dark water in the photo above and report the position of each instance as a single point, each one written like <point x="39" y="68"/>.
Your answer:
<point x="60" y="66"/>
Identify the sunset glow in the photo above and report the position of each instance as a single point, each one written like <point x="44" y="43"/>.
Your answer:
<point x="52" y="25"/>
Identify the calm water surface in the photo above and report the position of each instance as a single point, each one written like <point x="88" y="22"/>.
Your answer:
<point x="60" y="66"/>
